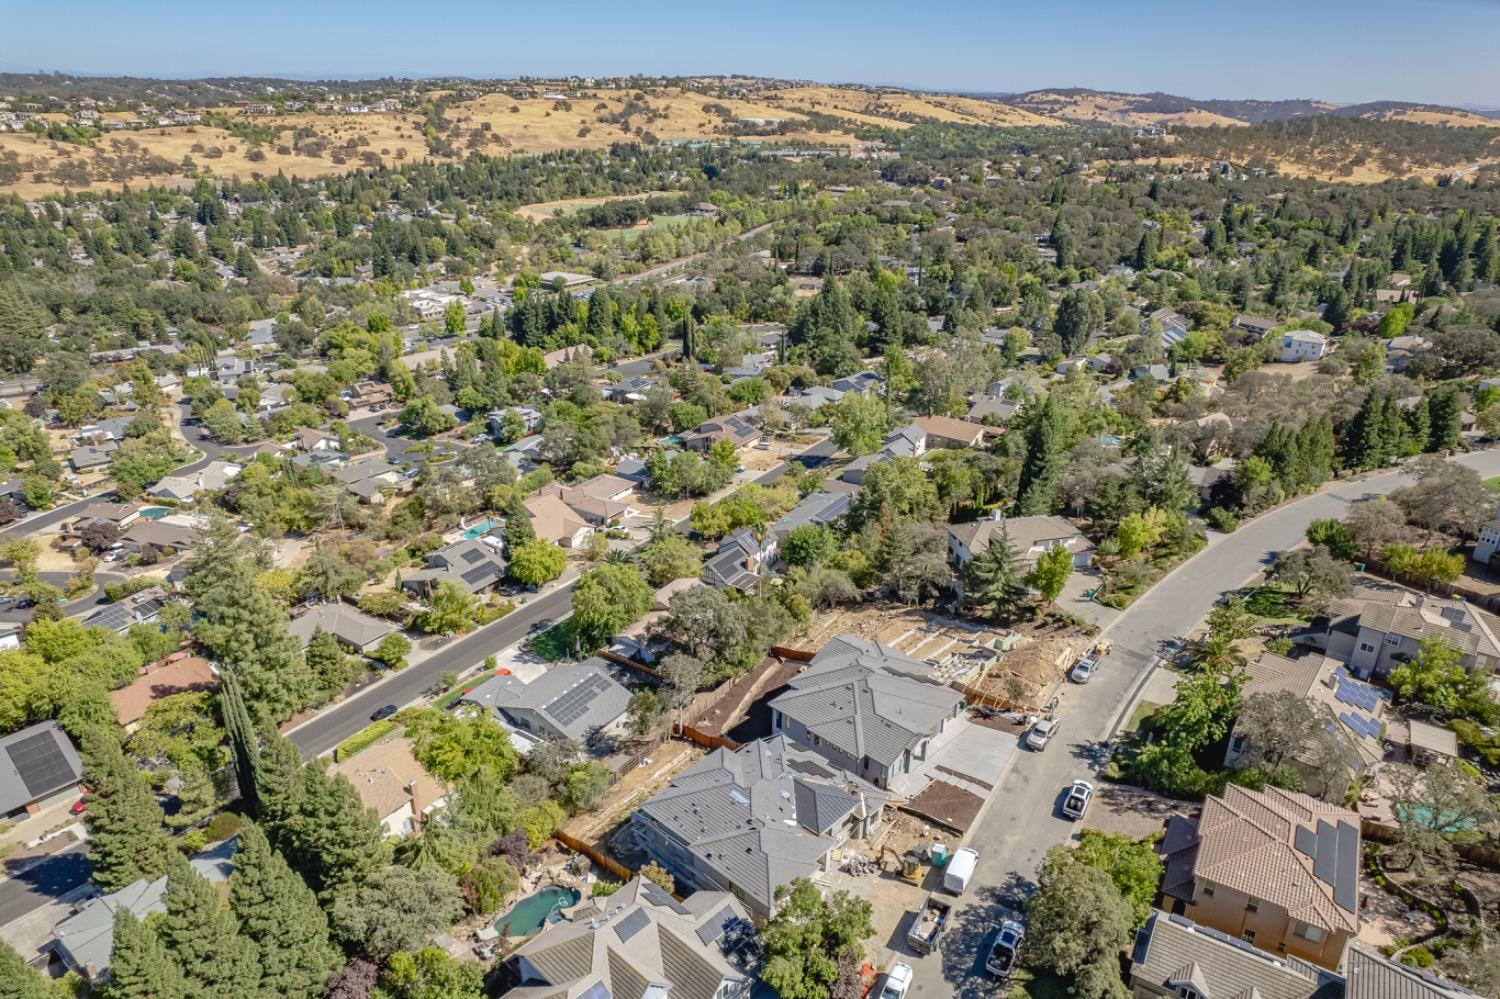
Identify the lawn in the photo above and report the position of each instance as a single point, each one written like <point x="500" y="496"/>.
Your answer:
<point x="1493" y="482"/>
<point x="657" y="222"/>
<point x="1274" y="604"/>
<point x="556" y="643"/>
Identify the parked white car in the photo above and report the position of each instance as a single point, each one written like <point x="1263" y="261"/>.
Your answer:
<point x="1040" y="734"/>
<point x="1077" y="801"/>
<point x="897" y="981"/>
<point x="1084" y="669"/>
<point x="960" y="870"/>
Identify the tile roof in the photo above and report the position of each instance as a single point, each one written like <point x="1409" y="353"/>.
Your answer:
<point x="348" y="624"/>
<point x="178" y="676"/>
<point x="1284" y="848"/>
<point x="1025" y="533"/>
<point x="625" y="944"/>
<point x="948" y="428"/>
<point x="1171" y="951"/>
<point x="385" y="776"/>
<point x="1370" y="976"/>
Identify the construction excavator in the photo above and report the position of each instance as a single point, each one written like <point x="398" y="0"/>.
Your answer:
<point x="908" y="866"/>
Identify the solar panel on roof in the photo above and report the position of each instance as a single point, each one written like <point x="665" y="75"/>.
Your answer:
<point x="574" y="704"/>
<point x="632" y="924"/>
<point x="40" y="763"/>
<point x="717" y="924"/>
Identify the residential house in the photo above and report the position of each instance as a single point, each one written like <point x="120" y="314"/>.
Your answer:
<point x="262" y="335"/>
<point x="38" y="766"/>
<point x="734" y="428"/>
<point x="1156" y="372"/>
<point x="105" y="430"/>
<point x="531" y="418"/>
<point x="475" y="565"/>
<point x="640" y="941"/>
<point x="314" y="440"/>
<point x="575" y="702"/>
<point x="121" y="515"/>
<point x="946" y="432"/>
<point x="555" y="521"/>
<point x="1259" y="325"/>
<point x="822" y="507"/>
<point x="740" y="561"/>
<point x="1302" y="345"/>
<point x="87" y="457"/>
<point x="865" y="708"/>
<point x="355" y="629"/>
<point x="370" y="479"/>
<point x="863" y="382"/>
<point x="1373" y="635"/>
<point x="990" y="410"/>
<point x="749" y="821"/>
<point x="1355" y="712"/>
<point x="909" y="441"/>
<point x="391" y="782"/>
<point x="1400" y="350"/>
<point x="1275" y="868"/>
<point x="184" y="488"/>
<point x="138" y="608"/>
<point x="159" y="535"/>
<point x="632" y="389"/>
<point x="1174" y="327"/>
<point x="85" y="940"/>
<point x="1489" y="540"/>
<point x="1029" y="537"/>
<point x="1175" y="957"/>
<point x="177" y="674"/>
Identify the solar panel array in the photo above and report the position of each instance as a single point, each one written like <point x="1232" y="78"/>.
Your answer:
<point x="40" y="762"/>
<point x="574" y="704"/>
<point x="1359" y="723"/>
<point x="1359" y="695"/>
<point x="632" y="924"/>
<point x="717" y="924"/>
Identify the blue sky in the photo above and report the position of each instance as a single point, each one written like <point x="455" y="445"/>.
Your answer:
<point x="1341" y="50"/>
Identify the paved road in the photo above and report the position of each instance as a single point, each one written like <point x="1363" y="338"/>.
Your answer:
<point x="72" y="608"/>
<point x="1023" y="819"/>
<point x="43" y="883"/>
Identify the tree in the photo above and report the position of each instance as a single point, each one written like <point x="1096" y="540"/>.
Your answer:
<point x="1051" y="572"/>
<point x="241" y="734"/>
<point x="898" y="489"/>
<point x="606" y="599"/>
<point x="992" y="578"/>
<point x="203" y="937"/>
<point x="1228" y="623"/>
<point x="280" y="914"/>
<point x="913" y="560"/>
<point x="1079" y="314"/>
<point x="18" y="980"/>
<point x="668" y="557"/>
<point x="431" y="973"/>
<point x="807" y="936"/>
<point x="224" y="423"/>
<point x="1041" y="470"/>
<point x="324" y="830"/>
<point x="392" y="650"/>
<point x="1436" y="677"/>
<point x="1314" y="575"/>
<point x="585" y="785"/>
<point x="644" y="713"/>
<point x="1446" y="499"/>
<point x="1139" y="532"/>
<point x="537" y="561"/>
<point x="1334" y="536"/>
<point x="450" y="609"/>
<point x="1375" y="524"/>
<point x="1132" y="865"/>
<point x="859" y="423"/>
<point x="829" y="326"/>
<point x="808" y="545"/>
<point x="329" y="574"/>
<point x="659" y="876"/>
<point x="1077" y="922"/>
<point x="126" y="838"/>
<point x="331" y="666"/>
<point x="518" y="527"/>
<point x="139" y="966"/>
<point x="423" y="418"/>
<point x="1282" y="729"/>
<point x="1431" y="805"/>
<point x="396" y="909"/>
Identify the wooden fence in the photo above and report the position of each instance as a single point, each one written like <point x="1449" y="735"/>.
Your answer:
<point x="797" y="655"/>
<point x="1474" y="853"/>
<point x="634" y="759"/>
<point x="704" y="739"/>
<point x="610" y="864"/>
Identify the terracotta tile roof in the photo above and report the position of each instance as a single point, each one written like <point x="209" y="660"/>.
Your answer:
<point x="161" y="680"/>
<point x="384" y="775"/>
<point x="1285" y="848"/>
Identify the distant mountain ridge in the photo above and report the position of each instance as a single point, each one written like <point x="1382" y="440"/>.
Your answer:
<point x="1081" y="104"/>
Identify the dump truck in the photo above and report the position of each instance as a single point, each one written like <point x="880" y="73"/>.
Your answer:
<point x="929" y="924"/>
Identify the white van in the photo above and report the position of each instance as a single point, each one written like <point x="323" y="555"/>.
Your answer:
<point x="960" y="871"/>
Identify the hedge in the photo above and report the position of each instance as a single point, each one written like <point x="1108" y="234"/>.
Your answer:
<point x="364" y="739"/>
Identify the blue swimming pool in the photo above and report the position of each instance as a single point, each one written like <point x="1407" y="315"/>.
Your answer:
<point x="155" y="512"/>
<point x="535" y="911"/>
<point x="480" y="529"/>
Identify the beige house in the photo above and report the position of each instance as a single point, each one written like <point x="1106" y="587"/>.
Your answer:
<point x="1029" y="537"/>
<point x="945" y="431"/>
<point x="1274" y="868"/>
<point x="1375" y="635"/>
<point x="390" y="781"/>
<point x="557" y="522"/>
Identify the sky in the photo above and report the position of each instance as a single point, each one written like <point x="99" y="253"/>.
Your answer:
<point x="1436" y="51"/>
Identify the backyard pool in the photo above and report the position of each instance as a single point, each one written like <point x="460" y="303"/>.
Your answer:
<point x="535" y="911"/>
<point x="155" y="512"/>
<point x="480" y="529"/>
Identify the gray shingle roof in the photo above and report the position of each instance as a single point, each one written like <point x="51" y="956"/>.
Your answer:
<point x="1171" y="950"/>
<point x="34" y="763"/>
<point x="572" y="701"/>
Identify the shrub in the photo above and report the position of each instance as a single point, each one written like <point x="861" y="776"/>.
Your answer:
<point x="223" y="826"/>
<point x="363" y="739"/>
<point x="603" y="889"/>
<point x="1472" y="737"/>
<point x="117" y="591"/>
<point x="541" y="821"/>
<point x="1222" y="519"/>
<point x="1417" y="957"/>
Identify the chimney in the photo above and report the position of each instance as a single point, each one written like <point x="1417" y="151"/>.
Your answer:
<point x="416" y="808"/>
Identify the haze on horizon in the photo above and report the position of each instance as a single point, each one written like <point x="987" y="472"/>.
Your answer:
<point x="1337" y="50"/>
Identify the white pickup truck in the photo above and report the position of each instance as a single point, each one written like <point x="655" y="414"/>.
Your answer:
<point x="1077" y="801"/>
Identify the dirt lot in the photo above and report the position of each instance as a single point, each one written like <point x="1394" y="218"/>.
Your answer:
<point x="1132" y="811"/>
<point x="635" y="787"/>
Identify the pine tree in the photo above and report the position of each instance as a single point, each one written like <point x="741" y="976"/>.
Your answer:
<point x="1041" y="472"/>
<point x="18" y="980"/>
<point x="1419" y="425"/>
<point x="277" y="765"/>
<point x="1446" y="412"/>
<point x="126" y="838"/>
<point x="993" y="578"/>
<point x="518" y="528"/>
<point x="241" y="732"/>
<point x="203" y="937"/>
<point x="139" y="966"/>
<point x="280" y="914"/>
<point x="330" y="837"/>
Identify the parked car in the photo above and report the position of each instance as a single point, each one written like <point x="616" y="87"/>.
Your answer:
<point x="1077" y="801"/>
<point x="1006" y="949"/>
<point x="1040" y="734"/>
<point x="380" y="714"/>
<point x="929" y="924"/>
<point x="1084" y="669"/>
<point x="960" y="870"/>
<point x="897" y="981"/>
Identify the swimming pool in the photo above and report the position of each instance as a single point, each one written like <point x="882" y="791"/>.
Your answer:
<point x="480" y="529"/>
<point x="535" y="911"/>
<point x="155" y="512"/>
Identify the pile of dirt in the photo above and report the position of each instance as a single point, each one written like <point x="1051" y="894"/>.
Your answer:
<point x="1024" y="674"/>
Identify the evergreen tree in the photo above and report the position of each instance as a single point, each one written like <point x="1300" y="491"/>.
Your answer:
<point x="203" y="937"/>
<point x="1445" y="411"/>
<point x="280" y="914"/>
<point x="241" y="734"/>
<point x="330" y="837"/>
<point x="139" y="966"/>
<point x="276" y="768"/>
<point x="18" y="980"/>
<point x="830" y="327"/>
<point x="518" y="529"/>
<point x="992" y="578"/>
<point x="126" y="838"/>
<point x="1041" y="472"/>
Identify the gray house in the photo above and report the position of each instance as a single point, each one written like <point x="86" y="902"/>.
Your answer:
<point x="751" y="820"/>
<point x="36" y="763"/>
<point x="640" y="941"/>
<point x="1374" y="635"/>
<point x="472" y="564"/>
<point x="865" y="708"/>
<point x="359" y="631"/>
<point x="566" y="702"/>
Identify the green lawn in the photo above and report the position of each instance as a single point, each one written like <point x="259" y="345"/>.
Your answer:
<point x="1274" y="604"/>
<point x="657" y="222"/>
<point x="1493" y="483"/>
<point x="556" y="643"/>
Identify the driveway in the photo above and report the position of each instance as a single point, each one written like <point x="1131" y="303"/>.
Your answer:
<point x="1023" y="818"/>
